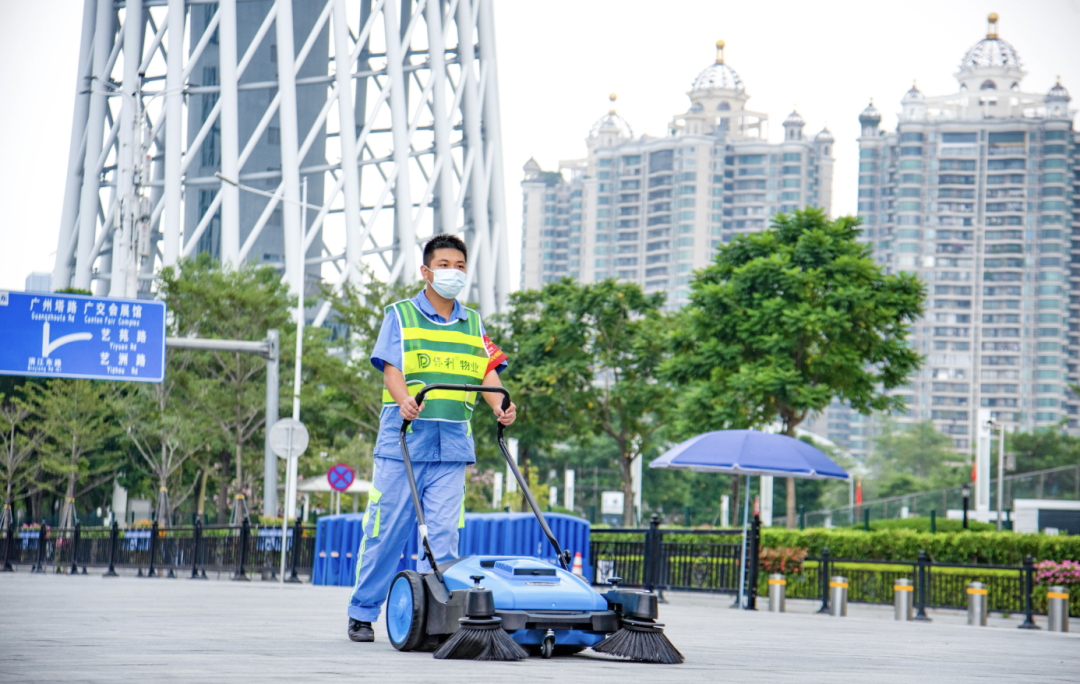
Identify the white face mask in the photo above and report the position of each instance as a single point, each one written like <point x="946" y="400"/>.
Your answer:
<point x="448" y="282"/>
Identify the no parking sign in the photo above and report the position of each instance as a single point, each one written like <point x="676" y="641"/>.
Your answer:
<point x="340" y="477"/>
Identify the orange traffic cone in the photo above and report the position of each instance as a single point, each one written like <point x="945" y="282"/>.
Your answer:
<point x="576" y="568"/>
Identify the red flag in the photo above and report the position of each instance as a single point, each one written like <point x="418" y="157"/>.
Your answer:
<point x="974" y="473"/>
<point x="496" y="356"/>
<point x="858" y="492"/>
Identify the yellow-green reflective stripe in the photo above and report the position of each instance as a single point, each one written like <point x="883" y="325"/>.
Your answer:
<point x="414" y="387"/>
<point x="461" y="520"/>
<point x="359" y="560"/>
<point x="373" y="501"/>
<point x="453" y="336"/>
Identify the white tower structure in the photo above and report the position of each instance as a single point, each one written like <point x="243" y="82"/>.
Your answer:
<point x="197" y="124"/>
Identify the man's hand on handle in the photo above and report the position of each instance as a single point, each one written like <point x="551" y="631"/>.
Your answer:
<point x="508" y="416"/>
<point x="408" y="408"/>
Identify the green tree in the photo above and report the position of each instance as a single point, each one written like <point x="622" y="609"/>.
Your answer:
<point x="78" y="419"/>
<point x="20" y="440"/>
<point x="349" y="387"/>
<point x="583" y="360"/>
<point x="911" y="458"/>
<point x="544" y="337"/>
<point x="1042" y="449"/>
<point x="228" y="388"/>
<point x="786" y="319"/>
<point x="626" y="344"/>
<point x="166" y="433"/>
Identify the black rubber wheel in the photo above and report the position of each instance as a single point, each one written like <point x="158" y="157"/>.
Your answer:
<point x="547" y="648"/>
<point x="406" y="611"/>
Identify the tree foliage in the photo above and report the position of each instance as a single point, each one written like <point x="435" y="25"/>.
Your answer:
<point x="911" y="458"/>
<point x="20" y="440"/>
<point x="583" y="360"/>
<point x="787" y="319"/>
<point x="229" y="388"/>
<point x="78" y="418"/>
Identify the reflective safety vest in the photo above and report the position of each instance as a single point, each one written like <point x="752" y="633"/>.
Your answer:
<point x="440" y="353"/>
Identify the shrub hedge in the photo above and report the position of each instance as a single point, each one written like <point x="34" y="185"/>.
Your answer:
<point x="996" y="548"/>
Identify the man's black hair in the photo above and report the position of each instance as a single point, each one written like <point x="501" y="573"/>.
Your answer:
<point x="444" y="241"/>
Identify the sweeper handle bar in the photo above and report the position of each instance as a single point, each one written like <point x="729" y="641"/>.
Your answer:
<point x="564" y="560"/>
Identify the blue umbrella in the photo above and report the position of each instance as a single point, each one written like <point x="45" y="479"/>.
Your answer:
<point x="749" y="452"/>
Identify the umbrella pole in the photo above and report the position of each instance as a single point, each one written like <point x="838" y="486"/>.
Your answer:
<point x="745" y="522"/>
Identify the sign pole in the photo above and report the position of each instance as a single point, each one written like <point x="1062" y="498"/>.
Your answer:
<point x="288" y="438"/>
<point x="290" y="464"/>
<point x="284" y="512"/>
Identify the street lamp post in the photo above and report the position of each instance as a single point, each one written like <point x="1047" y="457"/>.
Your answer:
<point x="965" y="491"/>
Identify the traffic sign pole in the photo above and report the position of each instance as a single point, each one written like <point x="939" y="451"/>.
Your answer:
<point x="288" y="438"/>
<point x="285" y="509"/>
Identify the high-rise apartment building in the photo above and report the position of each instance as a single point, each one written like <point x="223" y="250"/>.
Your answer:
<point x="652" y="209"/>
<point x="974" y="192"/>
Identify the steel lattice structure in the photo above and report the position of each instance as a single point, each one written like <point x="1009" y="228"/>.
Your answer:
<point x="388" y="109"/>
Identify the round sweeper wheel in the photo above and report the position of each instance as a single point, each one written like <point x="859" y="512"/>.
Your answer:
<point x="547" y="649"/>
<point x="406" y="611"/>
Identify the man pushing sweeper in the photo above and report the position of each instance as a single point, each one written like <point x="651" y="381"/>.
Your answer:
<point x="428" y="339"/>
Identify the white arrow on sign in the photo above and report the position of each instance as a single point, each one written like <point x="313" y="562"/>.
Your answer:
<point x="47" y="347"/>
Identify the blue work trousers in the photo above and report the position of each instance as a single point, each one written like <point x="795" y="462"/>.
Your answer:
<point x="390" y="519"/>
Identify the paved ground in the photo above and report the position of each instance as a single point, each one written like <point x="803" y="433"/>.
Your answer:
<point x="74" y="629"/>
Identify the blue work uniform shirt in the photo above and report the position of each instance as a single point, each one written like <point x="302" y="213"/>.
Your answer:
<point x="429" y="440"/>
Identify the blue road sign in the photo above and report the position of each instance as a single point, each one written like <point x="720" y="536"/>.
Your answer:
<point x="61" y="335"/>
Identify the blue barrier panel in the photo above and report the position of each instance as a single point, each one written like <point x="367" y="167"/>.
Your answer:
<point x="338" y="537"/>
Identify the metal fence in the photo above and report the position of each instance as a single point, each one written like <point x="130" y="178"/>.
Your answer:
<point x="191" y="550"/>
<point x="689" y="560"/>
<point x="708" y="560"/>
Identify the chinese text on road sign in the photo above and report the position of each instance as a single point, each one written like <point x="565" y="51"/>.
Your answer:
<point x="74" y="336"/>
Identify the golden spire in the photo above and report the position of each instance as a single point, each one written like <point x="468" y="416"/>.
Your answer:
<point x="719" y="52"/>
<point x="612" y="98"/>
<point x="991" y="29"/>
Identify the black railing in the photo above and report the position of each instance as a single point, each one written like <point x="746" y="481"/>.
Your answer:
<point x="661" y="559"/>
<point x="708" y="560"/>
<point x="191" y="550"/>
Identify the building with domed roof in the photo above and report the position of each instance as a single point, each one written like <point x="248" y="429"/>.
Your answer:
<point x="652" y="209"/>
<point x="974" y="193"/>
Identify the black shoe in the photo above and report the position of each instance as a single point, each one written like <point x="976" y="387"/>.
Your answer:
<point x="361" y="631"/>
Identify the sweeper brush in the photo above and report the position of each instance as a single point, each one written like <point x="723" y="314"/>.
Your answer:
<point x="641" y="641"/>
<point x="481" y="640"/>
<point x="525" y="606"/>
<point x="480" y="636"/>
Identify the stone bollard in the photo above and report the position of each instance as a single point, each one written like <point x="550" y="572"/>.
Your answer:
<point x="838" y="587"/>
<point x="976" y="595"/>
<point x="904" y="594"/>
<point x="1057" y="614"/>
<point x="777" y="593"/>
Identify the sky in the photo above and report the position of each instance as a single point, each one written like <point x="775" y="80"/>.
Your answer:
<point x="559" y="60"/>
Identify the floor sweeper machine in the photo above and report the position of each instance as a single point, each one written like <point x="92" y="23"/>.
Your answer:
<point x="508" y="607"/>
